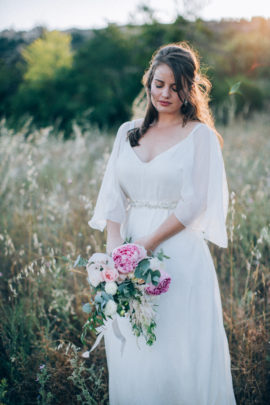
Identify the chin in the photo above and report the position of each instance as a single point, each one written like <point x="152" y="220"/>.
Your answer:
<point x="167" y="110"/>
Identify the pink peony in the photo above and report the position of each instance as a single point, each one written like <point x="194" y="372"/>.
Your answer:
<point x="162" y="287"/>
<point x="109" y="273"/>
<point x="126" y="257"/>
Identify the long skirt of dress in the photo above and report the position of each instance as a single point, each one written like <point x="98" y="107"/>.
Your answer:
<point x="189" y="363"/>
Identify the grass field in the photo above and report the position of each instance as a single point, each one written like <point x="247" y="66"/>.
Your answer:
<point x="47" y="193"/>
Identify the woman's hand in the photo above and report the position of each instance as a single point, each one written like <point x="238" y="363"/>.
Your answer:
<point x="147" y="243"/>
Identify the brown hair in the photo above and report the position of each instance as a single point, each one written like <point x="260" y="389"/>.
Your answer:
<point x="190" y="82"/>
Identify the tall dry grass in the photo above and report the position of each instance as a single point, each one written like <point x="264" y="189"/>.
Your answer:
<point x="47" y="194"/>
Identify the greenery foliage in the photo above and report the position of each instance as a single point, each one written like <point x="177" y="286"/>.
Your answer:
<point x="62" y="77"/>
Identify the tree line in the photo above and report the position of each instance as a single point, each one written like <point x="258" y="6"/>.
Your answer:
<point x="64" y="76"/>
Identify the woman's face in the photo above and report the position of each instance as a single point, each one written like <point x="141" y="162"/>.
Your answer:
<point x="164" y="95"/>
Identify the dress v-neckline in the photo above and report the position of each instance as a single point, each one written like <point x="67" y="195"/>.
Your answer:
<point x="166" y="150"/>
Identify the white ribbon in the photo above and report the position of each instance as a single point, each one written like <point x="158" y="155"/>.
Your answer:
<point x="101" y="331"/>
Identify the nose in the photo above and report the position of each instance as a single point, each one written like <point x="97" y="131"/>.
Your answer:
<point x="166" y="92"/>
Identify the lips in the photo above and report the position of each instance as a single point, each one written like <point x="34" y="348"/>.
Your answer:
<point x="164" y="103"/>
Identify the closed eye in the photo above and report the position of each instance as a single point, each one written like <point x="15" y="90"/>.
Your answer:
<point x="159" y="87"/>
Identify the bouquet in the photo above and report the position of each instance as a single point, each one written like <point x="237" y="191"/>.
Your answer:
<point x="125" y="283"/>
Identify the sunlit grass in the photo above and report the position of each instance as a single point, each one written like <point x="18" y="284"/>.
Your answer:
<point x="47" y="194"/>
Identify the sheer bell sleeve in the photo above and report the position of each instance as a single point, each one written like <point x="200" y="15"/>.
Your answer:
<point x="111" y="201"/>
<point x="204" y="201"/>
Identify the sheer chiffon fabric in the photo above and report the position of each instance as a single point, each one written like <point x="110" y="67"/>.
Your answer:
<point x="189" y="364"/>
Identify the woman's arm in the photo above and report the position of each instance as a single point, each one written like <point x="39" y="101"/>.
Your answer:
<point x="171" y="226"/>
<point x="168" y="228"/>
<point x="114" y="238"/>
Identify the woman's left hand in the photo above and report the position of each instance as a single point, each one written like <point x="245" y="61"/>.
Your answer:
<point x="147" y="243"/>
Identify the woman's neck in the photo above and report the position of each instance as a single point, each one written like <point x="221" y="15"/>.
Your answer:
<point x="168" y="120"/>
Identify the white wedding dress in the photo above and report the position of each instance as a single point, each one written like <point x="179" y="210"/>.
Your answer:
<point x="189" y="364"/>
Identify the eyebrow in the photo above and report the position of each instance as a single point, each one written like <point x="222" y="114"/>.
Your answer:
<point x="163" y="81"/>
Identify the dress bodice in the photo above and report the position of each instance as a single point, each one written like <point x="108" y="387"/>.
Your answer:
<point x="188" y="178"/>
<point x="160" y="179"/>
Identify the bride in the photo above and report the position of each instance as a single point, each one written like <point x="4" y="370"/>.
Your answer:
<point x="165" y="187"/>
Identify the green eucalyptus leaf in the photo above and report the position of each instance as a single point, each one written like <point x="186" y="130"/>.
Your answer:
<point x="87" y="308"/>
<point x="98" y="299"/>
<point x="144" y="264"/>
<point x="148" y="277"/>
<point x="156" y="273"/>
<point x="105" y="296"/>
<point x="138" y="273"/>
<point x="161" y="255"/>
<point x="235" y="89"/>
<point x="155" y="280"/>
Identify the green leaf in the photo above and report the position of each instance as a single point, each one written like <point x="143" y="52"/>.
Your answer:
<point x="155" y="280"/>
<point x="161" y="255"/>
<point x="142" y="268"/>
<point x="144" y="264"/>
<point x="138" y="273"/>
<point x="87" y="308"/>
<point x="156" y="273"/>
<point x="235" y="89"/>
<point x="98" y="299"/>
<point x="105" y="296"/>
<point x="148" y="277"/>
<point x="80" y="262"/>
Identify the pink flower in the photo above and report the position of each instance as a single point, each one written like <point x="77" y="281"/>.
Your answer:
<point x="162" y="287"/>
<point x="109" y="273"/>
<point x="126" y="257"/>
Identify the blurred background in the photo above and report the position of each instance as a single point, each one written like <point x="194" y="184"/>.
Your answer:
<point x="70" y="74"/>
<point x="85" y="61"/>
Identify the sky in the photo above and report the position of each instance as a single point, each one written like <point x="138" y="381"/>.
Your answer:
<point x="86" y="14"/>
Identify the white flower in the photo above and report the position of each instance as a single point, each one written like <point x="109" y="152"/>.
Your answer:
<point x="110" y="308"/>
<point x="111" y="287"/>
<point x="94" y="276"/>
<point x="93" y="266"/>
<point x="156" y="264"/>
<point x="101" y="258"/>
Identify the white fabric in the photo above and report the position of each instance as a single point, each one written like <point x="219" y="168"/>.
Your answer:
<point x="202" y="191"/>
<point x="205" y="189"/>
<point x="111" y="202"/>
<point x="189" y="364"/>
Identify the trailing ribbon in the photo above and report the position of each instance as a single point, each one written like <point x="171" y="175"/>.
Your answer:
<point x="101" y="331"/>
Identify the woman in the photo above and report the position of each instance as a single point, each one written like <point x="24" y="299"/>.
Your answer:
<point x="165" y="187"/>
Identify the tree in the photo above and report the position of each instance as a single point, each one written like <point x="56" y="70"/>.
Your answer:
<point x="107" y="79"/>
<point x="47" y="55"/>
<point x="46" y="94"/>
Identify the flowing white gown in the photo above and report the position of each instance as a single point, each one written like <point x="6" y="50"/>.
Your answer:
<point x="189" y="364"/>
